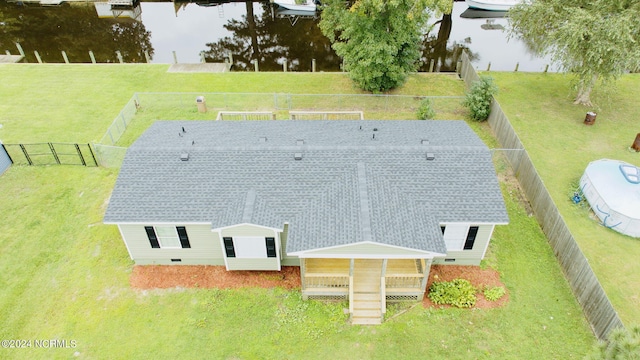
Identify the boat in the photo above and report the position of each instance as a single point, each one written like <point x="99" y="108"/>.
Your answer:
<point x="299" y="5"/>
<point x="492" y="5"/>
<point x="470" y="13"/>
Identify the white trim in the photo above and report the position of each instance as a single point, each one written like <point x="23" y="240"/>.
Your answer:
<point x="276" y="237"/>
<point x="152" y="223"/>
<point x="224" y="250"/>
<point x="418" y="253"/>
<point x="124" y="239"/>
<point x="242" y="224"/>
<point x="488" y="241"/>
<point x="430" y="255"/>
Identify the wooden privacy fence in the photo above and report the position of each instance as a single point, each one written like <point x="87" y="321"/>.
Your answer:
<point x="585" y="285"/>
<point x="51" y="154"/>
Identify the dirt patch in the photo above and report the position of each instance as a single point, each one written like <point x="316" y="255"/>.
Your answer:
<point x="479" y="278"/>
<point x="202" y="276"/>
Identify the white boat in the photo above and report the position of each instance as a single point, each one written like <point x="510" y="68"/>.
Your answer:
<point x="299" y="5"/>
<point x="492" y="5"/>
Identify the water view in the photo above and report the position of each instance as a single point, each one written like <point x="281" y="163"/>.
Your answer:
<point x="191" y="31"/>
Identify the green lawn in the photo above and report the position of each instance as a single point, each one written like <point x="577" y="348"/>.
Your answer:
<point x="64" y="275"/>
<point x="561" y="147"/>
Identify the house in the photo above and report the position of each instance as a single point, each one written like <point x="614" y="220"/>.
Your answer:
<point x="363" y="207"/>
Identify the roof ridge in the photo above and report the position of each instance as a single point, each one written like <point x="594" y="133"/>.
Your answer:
<point x="363" y="195"/>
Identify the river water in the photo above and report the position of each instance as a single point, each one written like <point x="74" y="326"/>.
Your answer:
<point x="188" y="31"/>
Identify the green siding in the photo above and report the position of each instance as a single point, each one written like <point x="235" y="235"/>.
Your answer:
<point x="469" y="257"/>
<point x="205" y="246"/>
<point x="252" y="264"/>
<point x="366" y="249"/>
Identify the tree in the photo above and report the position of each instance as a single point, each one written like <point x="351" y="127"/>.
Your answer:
<point x="378" y="40"/>
<point x="597" y="40"/>
<point x="620" y="345"/>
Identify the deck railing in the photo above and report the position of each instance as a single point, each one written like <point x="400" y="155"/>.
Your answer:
<point x="383" y="296"/>
<point x="350" y="294"/>
<point x="404" y="281"/>
<point x="326" y="281"/>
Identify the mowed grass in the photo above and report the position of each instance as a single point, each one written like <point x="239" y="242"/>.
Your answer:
<point x="540" y="108"/>
<point x="65" y="276"/>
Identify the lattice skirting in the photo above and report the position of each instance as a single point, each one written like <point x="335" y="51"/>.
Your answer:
<point x="398" y="298"/>
<point x="328" y="297"/>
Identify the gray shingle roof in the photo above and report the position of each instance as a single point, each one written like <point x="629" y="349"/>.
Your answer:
<point x="347" y="187"/>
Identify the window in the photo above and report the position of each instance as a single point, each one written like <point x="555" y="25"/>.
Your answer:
<point x="459" y="236"/>
<point x="471" y="238"/>
<point x="250" y="247"/>
<point x="167" y="237"/>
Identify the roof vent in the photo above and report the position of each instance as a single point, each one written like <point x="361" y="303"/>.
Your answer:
<point x="184" y="156"/>
<point x="424" y="142"/>
<point x="431" y="156"/>
<point x="375" y="129"/>
<point x="263" y="139"/>
<point x="297" y="156"/>
<point x="299" y="142"/>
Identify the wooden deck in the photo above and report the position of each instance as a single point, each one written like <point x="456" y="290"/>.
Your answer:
<point x="341" y="266"/>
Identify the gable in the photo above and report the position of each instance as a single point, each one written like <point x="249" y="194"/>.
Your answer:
<point x="366" y="250"/>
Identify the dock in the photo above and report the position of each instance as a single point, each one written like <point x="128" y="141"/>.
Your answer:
<point x="4" y="59"/>
<point x="200" y="68"/>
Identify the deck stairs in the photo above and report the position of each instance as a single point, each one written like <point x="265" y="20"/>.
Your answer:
<point x="367" y="301"/>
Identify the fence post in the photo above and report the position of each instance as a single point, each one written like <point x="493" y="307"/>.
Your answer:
<point x="119" y="55"/>
<point x="255" y="65"/>
<point x="517" y="66"/>
<point x="64" y="56"/>
<point x="53" y="152"/>
<point x="313" y="65"/>
<point x="175" y="57"/>
<point x="489" y="66"/>
<point x="431" y="63"/>
<point x="147" y="57"/>
<point x="80" y="155"/>
<point x="202" y="59"/>
<point x="7" y="52"/>
<point x="124" y="120"/>
<point x="38" y="57"/>
<point x="546" y="68"/>
<point x="230" y="58"/>
<point x="92" y="155"/>
<point x="284" y="65"/>
<point x="93" y="58"/>
<point x="111" y="136"/>
<point x="26" y="155"/>
<point x="20" y="50"/>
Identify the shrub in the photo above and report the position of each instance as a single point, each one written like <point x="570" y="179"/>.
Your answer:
<point x="478" y="98"/>
<point x="425" y="110"/>
<point x="457" y="292"/>
<point x="494" y="293"/>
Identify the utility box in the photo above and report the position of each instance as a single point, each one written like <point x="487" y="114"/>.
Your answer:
<point x="202" y="104"/>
